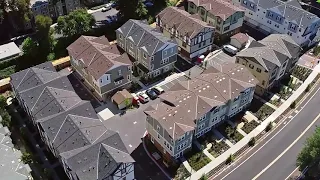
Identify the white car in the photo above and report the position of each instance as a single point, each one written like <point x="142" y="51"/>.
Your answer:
<point x="143" y="97"/>
<point x="107" y="7"/>
<point x="230" y="49"/>
<point x="158" y="90"/>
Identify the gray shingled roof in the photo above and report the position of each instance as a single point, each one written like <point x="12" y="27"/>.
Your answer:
<point x="290" y="9"/>
<point x="11" y="167"/>
<point x="144" y="36"/>
<point x="70" y="124"/>
<point x="191" y="99"/>
<point x="182" y="21"/>
<point x="97" y="55"/>
<point x="271" y="51"/>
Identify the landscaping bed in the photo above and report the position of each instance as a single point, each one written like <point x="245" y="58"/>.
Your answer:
<point x="197" y="159"/>
<point x="218" y="148"/>
<point x="283" y="92"/>
<point x="230" y="133"/>
<point x="276" y="102"/>
<point x="260" y="110"/>
<point x="182" y="173"/>
<point x="301" y="73"/>
<point x="249" y="126"/>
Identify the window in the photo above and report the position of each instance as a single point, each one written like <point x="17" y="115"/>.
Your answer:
<point x="172" y="50"/>
<point x="120" y="36"/>
<point x="164" y="61"/>
<point x="252" y="5"/>
<point x="158" y="128"/>
<point x="131" y="46"/>
<point x="158" y="136"/>
<point x="202" y="118"/>
<point x="144" y="55"/>
<point x="152" y="66"/>
<point x="263" y="82"/>
<point x="259" y="70"/>
<point x="152" y="58"/>
<point x="226" y="28"/>
<point x="251" y="66"/>
<point x="152" y="140"/>
<point x="129" y="77"/>
<point x="118" y="82"/>
<point x="123" y="171"/>
<point x="119" y="72"/>
<point x="165" y="52"/>
<point x="165" y="143"/>
<point x="245" y="2"/>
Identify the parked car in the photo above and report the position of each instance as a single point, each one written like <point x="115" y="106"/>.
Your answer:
<point x="230" y="49"/>
<point x="107" y="7"/>
<point x="143" y="98"/>
<point x="153" y="95"/>
<point x="158" y="90"/>
<point x="135" y="100"/>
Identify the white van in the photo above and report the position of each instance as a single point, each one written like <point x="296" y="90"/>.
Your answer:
<point x="230" y="49"/>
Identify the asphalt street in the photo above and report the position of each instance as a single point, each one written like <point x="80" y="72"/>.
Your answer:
<point x="274" y="158"/>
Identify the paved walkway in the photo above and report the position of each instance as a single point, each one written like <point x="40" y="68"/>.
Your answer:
<point x="205" y="151"/>
<point x="241" y="132"/>
<point x="244" y="141"/>
<point x="187" y="165"/>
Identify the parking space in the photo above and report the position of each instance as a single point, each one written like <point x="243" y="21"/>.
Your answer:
<point x="83" y="91"/>
<point x="222" y="57"/>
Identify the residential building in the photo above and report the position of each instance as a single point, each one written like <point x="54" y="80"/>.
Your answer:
<point x="63" y="7"/>
<point x="70" y="127"/>
<point x="194" y="37"/>
<point x="154" y="54"/>
<point x="193" y="107"/>
<point x="223" y="15"/>
<point x="101" y="65"/>
<point x="9" y="51"/>
<point x="282" y="17"/>
<point x="270" y="59"/>
<point x="239" y="40"/>
<point x="11" y="165"/>
<point x="122" y="99"/>
<point x="40" y="8"/>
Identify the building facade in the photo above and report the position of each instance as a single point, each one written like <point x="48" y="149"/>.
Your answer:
<point x="193" y="107"/>
<point x="101" y="65"/>
<point x="223" y="15"/>
<point x="63" y="7"/>
<point x="282" y="17"/>
<point x="40" y="8"/>
<point x="70" y="126"/>
<point x="270" y="59"/>
<point x="153" y="53"/>
<point x="194" y="37"/>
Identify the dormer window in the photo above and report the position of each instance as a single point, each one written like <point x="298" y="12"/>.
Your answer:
<point x="185" y="39"/>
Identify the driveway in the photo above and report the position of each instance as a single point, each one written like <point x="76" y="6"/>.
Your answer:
<point x="100" y="16"/>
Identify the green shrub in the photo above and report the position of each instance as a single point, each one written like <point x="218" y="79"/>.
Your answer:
<point x="308" y="88"/>
<point x="230" y="159"/>
<point x="252" y="142"/>
<point x="293" y="105"/>
<point x="269" y="127"/>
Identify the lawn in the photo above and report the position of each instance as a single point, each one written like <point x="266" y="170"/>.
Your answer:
<point x="249" y="126"/>
<point x="197" y="159"/>
<point x="218" y="148"/>
<point x="182" y="173"/>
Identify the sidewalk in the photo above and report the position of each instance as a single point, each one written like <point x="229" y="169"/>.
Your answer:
<point x="243" y="142"/>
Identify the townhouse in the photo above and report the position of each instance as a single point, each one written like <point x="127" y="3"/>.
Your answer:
<point x="193" y="107"/>
<point x="282" y="17"/>
<point x="270" y="59"/>
<point x="62" y="7"/>
<point x="223" y="15"/>
<point x="70" y="127"/>
<point x="101" y="65"/>
<point x="153" y="53"/>
<point x="40" y="8"/>
<point x="194" y="37"/>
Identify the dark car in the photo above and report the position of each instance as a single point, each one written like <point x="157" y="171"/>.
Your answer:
<point x="151" y="94"/>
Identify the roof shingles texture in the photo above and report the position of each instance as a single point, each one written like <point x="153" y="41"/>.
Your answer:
<point x="97" y="55"/>
<point x="272" y="51"/>
<point x="70" y="124"/>
<point x="189" y="100"/>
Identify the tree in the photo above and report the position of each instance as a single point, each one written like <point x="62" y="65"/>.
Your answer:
<point x="75" y="23"/>
<point x="269" y="126"/>
<point x="204" y="177"/>
<point x="310" y="153"/>
<point x="293" y="105"/>
<point x="230" y="159"/>
<point x="307" y="88"/>
<point x="44" y="36"/>
<point x="26" y="158"/>
<point x="131" y="9"/>
<point x="3" y="102"/>
<point x="6" y="118"/>
<point x="29" y="47"/>
<point x="252" y="141"/>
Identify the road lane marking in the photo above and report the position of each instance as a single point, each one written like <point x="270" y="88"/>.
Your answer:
<point x="287" y="149"/>
<point x="263" y="139"/>
<point x="292" y="173"/>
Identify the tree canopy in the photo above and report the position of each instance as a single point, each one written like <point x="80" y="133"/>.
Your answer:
<point x="29" y="46"/>
<point x="75" y="23"/>
<point x="311" y="151"/>
<point x="132" y="9"/>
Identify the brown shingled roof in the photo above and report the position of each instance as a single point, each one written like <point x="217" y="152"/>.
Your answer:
<point x="97" y="55"/>
<point x="182" y="21"/>
<point x="242" y="38"/>
<point x="220" y="8"/>
<point x="189" y="100"/>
